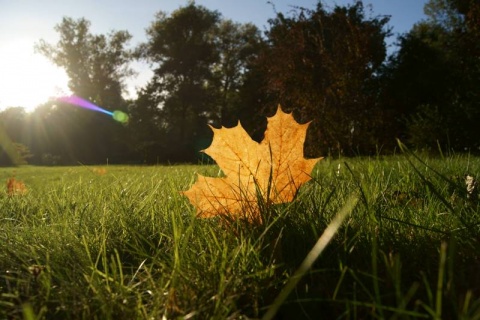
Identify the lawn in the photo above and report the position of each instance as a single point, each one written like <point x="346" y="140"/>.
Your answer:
<point x="122" y="242"/>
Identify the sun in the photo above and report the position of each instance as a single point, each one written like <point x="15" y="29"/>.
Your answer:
<point x="28" y="79"/>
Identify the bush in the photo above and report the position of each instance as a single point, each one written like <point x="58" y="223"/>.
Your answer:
<point x="14" y="154"/>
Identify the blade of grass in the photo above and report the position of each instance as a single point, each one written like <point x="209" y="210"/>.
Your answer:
<point x="307" y="263"/>
<point x="441" y="272"/>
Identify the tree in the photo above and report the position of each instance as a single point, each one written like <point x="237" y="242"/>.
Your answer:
<point x="199" y="60"/>
<point x="432" y="80"/>
<point x="14" y="121"/>
<point x="238" y="45"/>
<point x="182" y="46"/>
<point x="200" y="65"/>
<point x="14" y="137"/>
<point x="97" y="66"/>
<point x="148" y="126"/>
<point x="323" y="65"/>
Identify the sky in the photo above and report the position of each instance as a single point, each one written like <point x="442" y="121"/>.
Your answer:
<point x="28" y="79"/>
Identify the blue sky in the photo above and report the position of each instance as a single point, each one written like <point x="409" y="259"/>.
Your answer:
<point x="28" y="79"/>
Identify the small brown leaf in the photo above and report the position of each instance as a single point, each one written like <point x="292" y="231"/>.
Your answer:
<point x="15" y="187"/>
<point x="99" y="171"/>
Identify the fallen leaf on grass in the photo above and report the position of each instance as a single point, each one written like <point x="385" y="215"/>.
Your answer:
<point x="269" y="172"/>
<point x="16" y="187"/>
<point x="99" y="171"/>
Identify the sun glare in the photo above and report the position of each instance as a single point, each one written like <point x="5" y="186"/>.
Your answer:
<point x="28" y="79"/>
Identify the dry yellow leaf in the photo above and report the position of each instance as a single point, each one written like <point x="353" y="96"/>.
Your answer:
<point x="271" y="171"/>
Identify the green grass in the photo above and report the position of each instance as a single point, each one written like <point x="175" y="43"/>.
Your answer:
<point x="127" y="245"/>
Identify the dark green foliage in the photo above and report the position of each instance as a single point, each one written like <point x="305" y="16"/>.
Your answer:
<point x="13" y="154"/>
<point x="238" y="46"/>
<point x="182" y="46"/>
<point x="200" y="65"/>
<point x="437" y="65"/>
<point x="14" y="142"/>
<point x="323" y="65"/>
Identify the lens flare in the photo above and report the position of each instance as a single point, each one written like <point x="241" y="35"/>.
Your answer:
<point x="120" y="116"/>
<point x="117" y="115"/>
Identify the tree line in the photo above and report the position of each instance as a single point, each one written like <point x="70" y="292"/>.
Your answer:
<point x="326" y="65"/>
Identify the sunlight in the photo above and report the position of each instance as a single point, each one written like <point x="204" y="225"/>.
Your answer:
<point x="28" y="79"/>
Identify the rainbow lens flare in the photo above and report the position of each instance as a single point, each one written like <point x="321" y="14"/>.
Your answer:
<point x="117" y="115"/>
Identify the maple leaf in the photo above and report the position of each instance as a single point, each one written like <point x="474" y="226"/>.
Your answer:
<point x="271" y="171"/>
